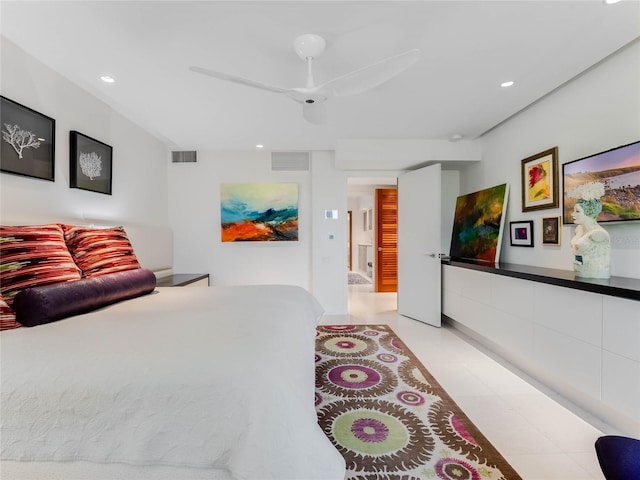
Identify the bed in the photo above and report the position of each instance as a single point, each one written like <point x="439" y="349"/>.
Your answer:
<point x="175" y="383"/>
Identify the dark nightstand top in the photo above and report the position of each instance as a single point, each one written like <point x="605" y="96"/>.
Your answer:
<point x="181" y="279"/>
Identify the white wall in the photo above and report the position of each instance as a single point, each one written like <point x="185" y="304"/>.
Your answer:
<point x="317" y="261"/>
<point x="328" y="259"/>
<point x="139" y="192"/>
<point x="594" y="112"/>
<point x="403" y="154"/>
<point x="450" y="192"/>
<point x="194" y="215"/>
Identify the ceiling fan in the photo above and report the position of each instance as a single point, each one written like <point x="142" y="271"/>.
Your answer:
<point x="312" y="96"/>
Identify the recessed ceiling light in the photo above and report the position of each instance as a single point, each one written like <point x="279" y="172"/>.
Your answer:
<point x="107" y="79"/>
<point x="507" y="84"/>
<point x="259" y="146"/>
<point x="611" y="2"/>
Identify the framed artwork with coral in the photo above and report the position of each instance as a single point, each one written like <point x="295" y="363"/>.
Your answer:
<point x="90" y="164"/>
<point x="478" y="224"/>
<point x="259" y="212"/>
<point x="28" y="141"/>
<point x="540" y="181"/>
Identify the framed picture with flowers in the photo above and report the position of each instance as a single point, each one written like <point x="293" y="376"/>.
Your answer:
<point x="540" y="181"/>
<point x="90" y="164"/>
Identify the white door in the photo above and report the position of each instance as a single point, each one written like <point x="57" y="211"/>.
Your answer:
<point x="419" y="194"/>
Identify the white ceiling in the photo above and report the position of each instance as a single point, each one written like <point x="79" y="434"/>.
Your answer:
<point x="468" y="48"/>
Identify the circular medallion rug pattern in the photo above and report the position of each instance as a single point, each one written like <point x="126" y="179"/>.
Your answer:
<point x="389" y="418"/>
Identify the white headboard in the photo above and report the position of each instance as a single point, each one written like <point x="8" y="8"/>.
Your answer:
<point x="152" y="244"/>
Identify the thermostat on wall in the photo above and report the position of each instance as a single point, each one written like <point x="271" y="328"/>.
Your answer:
<point x="331" y="214"/>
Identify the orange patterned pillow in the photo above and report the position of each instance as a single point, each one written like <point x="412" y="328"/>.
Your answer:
<point x="7" y="316"/>
<point x="98" y="251"/>
<point x="33" y="255"/>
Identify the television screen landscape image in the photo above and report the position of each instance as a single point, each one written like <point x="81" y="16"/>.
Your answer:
<point x="619" y="170"/>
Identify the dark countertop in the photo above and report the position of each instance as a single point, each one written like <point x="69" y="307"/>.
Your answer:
<point x="622" y="287"/>
<point x="180" y="279"/>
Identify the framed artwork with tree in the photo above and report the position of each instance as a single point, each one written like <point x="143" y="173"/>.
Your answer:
<point x="90" y="164"/>
<point x="28" y="141"/>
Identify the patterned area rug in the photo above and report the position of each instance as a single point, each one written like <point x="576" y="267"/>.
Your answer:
<point x="357" y="279"/>
<point x="388" y="416"/>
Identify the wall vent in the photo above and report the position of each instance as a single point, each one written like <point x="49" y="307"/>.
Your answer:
<point x="290" y="161"/>
<point x="184" y="156"/>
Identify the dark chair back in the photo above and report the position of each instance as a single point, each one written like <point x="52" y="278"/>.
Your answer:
<point x="619" y="457"/>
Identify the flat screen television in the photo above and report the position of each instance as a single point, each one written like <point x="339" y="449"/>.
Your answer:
<point x="619" y="170"/>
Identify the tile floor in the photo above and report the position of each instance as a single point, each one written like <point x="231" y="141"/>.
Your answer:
<point x="541" y="435"/>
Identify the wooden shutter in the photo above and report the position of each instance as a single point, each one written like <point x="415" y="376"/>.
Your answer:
<point x="386" y="247"/>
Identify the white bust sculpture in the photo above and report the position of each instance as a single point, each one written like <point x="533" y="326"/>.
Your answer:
<point x="591" y="244"/>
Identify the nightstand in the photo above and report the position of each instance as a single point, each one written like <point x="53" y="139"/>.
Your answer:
<point x="184" y="280"/>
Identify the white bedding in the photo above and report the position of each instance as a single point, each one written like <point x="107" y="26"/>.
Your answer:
<point x="197" y="378"/>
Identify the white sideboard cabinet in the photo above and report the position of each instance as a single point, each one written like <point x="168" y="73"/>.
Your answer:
<point x="579" y="337"/>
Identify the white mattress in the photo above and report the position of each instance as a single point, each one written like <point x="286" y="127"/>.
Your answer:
<point x="205" y="380"/>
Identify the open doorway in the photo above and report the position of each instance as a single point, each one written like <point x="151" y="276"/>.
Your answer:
<point x="363" y="237"/>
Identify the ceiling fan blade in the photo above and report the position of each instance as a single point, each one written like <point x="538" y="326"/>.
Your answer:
<point x="315" y="113"/>
<point x="370" y="76"/>
<point x="240" y="80"/>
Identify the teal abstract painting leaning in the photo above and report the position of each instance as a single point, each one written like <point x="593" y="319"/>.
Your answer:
<point x="259" y="212"/>
<point x="478" y="224"/>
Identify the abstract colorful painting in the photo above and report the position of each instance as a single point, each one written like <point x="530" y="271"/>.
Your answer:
<point x="478" y="224"/>
<point x="540" y="181"/>
<point x="259" y="212"/>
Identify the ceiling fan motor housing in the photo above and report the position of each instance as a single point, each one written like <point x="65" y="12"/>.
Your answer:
<point x="309" y="97"/>
<point x="309" y="46"/>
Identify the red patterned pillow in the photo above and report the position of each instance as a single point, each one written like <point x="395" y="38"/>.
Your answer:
<point x="33" y="255"/>
<point x="7" y="316"/>
<point x="98" y="251"/>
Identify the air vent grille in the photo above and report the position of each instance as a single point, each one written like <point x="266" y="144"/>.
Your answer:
<point x="184" y="156"/>
<point x="290" y="161"/>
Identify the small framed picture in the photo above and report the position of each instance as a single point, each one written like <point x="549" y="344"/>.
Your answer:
<point x="28" y="141"/>
<point x="521" y="233"/>
<point x="90" y="164"/>
<point x="551" y="231"/>
<point x="540" y="181"/>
